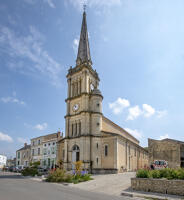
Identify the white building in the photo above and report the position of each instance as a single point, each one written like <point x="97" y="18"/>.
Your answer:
<point x="3" y="160"/>
<point x="44" y="149"/>
<point x="49" y="153"/>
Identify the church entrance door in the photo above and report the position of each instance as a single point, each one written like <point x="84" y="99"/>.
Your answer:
<point x="75" y="155"/>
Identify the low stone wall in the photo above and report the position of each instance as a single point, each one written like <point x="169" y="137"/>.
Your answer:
<point x="165" y="186"/>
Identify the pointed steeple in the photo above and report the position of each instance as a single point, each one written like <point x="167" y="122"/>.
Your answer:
<point x="83" y="55"/>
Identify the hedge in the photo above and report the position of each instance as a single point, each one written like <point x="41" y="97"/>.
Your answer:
<point x="162" y="173"/>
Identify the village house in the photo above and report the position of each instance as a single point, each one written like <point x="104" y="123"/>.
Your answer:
<point x="23" y="155"/>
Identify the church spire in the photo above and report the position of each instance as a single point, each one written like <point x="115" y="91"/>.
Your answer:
<point x="83" y="55"/>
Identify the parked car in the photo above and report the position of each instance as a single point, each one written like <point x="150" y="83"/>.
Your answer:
<point x="11" y="169"/>
<point x="159" y="164"/>
<point x="42" y="171"/>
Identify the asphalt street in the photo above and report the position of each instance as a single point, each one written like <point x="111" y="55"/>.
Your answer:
<point x="15" y="187"/>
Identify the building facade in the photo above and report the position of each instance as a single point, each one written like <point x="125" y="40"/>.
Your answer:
<point x="44" y="149"/>
<point x="167" y="149"/>
<point x="23" y="156"/>
<point x="3" y="160"/>
<point x="99" y="143"/>
<point x="49" y="151"/>
<point x="36" y="149"/>
<point x="11" y="162"/>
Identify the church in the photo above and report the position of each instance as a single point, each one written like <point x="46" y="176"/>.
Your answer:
<point x="102" y="145"/>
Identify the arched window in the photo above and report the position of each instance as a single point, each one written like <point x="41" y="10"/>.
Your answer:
<point x="75" y="148"/>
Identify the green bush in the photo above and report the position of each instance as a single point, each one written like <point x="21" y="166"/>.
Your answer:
<point x="143" y="173"/>
<point x="57" y="176"/>
<point x="87" y="177"/>
<point x="181" y="174"/>
<point x="163" y="173"/>
<point x="155" y="174"/>
<point x="29" y="171"/>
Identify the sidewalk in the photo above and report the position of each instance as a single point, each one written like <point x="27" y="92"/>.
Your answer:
<point x="150" y="195"/>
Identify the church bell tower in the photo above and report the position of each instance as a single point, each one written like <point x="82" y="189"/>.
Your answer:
<point x="83" y="119"/>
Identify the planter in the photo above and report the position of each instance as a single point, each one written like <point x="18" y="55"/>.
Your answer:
<point x="175" y="187"/>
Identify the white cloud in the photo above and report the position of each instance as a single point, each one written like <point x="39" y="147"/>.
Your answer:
<point x="12" y="100"/>
<point x="41" y="127"/>
<point x="118" y="106"/>
<point x="163" y="137"/>
<point x="50" y="3"/>
<point x="29" y="48"/>
<point x="75" y="45"/>
<point x="22" y="140"/>
<point x="5" y="137"/>
<point x="137" y="134"/>
<point x="148" y="111"/>
<point x="134" y="112"/>
<point x="94" y="3"/>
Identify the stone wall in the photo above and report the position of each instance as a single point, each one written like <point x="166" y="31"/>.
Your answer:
<point x="175" y="187"/>
<point x="168" y="150"/>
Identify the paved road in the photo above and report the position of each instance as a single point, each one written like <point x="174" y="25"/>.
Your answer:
<point x="13" y="187"/>
<point x="113" y="184"/>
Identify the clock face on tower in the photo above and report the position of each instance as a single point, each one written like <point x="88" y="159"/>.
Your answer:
<point x="76" y="107"/>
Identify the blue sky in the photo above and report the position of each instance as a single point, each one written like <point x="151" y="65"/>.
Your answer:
<point x="137" y="47"/>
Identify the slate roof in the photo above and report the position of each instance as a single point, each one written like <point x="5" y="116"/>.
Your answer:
<point x="83" y="49"/>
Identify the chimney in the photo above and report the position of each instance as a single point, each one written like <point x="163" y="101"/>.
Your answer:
<point x="25" y="144"/>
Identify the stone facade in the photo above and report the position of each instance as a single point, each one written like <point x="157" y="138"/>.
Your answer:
<point x="170" y="150"/>
<point x="23" y="156"/>
<point x="174" y="187"/>
<point x="99" y="143"/>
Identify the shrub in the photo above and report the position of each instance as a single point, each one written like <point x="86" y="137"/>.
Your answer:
<point x="35" y="164"/>
<point x="173" y="174"/>
<point x="56" y="176"/>
<point x="163" y="173"/>
<point x="86" y="177"/>
<point x="181" y="174"/>
<point x="60" y="162"/>
<point x="29" y="171"/>
<point x="155" y="174"/>
<point x="142" y="173"/>
<point x="78" y="166"/>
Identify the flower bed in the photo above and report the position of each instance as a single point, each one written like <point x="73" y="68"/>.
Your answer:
<point x="60" y="175"/>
